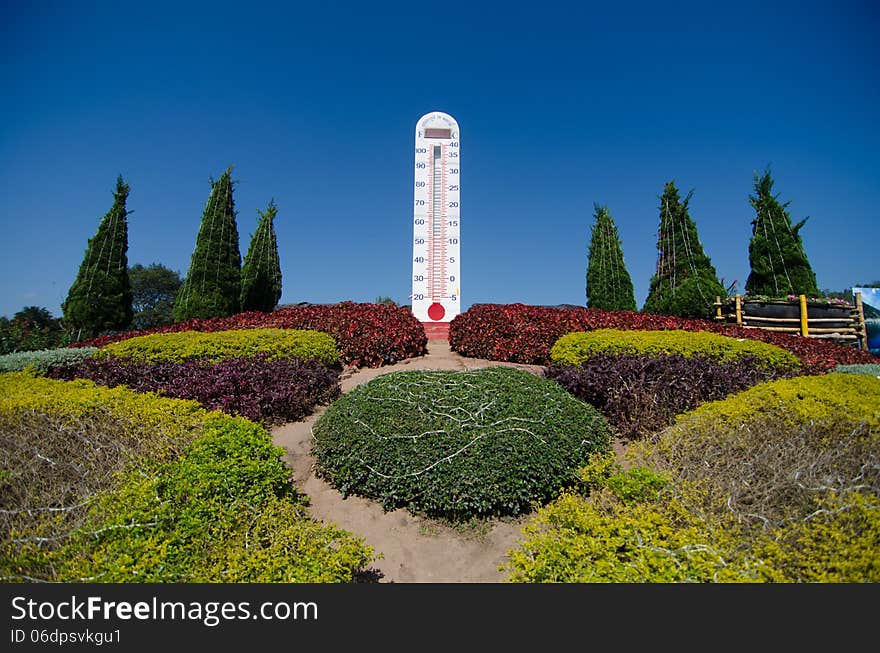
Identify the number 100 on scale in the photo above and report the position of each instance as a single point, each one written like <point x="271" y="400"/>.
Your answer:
<point x="436" y="282"/>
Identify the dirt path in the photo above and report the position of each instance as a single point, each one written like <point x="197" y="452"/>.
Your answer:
<point x="414" y="549"/>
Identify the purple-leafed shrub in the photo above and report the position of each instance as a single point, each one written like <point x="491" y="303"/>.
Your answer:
<point x="640" y="395"/>
<point x="264" y="391"/>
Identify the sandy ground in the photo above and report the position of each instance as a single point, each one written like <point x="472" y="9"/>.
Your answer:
<point x="413" y="549"/>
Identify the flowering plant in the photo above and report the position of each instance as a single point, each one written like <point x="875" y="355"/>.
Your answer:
<point x="829" y="301"/>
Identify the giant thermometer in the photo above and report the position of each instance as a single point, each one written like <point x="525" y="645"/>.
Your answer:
<point x="436" y="281"/>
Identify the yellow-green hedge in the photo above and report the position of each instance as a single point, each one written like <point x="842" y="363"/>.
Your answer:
<point x="222" y="345"/>
<point x="575" y="348"/>
<point x="162" y="425"/>
<point x="832" y="397"/>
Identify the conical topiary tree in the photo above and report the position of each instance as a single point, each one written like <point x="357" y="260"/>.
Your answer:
<point x="212" y="287"/>
<point x="685" y="283"/>
<point x="609" y="285"/>
<point x="261" y="272"/>
<point x="99" y="300"/>
<point x="779" y="265"/>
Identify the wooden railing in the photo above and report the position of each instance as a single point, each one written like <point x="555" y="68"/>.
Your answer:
<point x="844" y="323"/>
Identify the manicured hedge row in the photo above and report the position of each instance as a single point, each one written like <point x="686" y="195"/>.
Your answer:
<point x="107" y="485"/>
<point x="163" y="426"/>
<point x="274" y="344"/>
<point x="43" y="360"/>
<point x="767" y="485"/>
<point x="457" y="444"/>
<point x="524" y="334"/>
<point x="367" y="335"/>
<point x="641" y="394"/>
<point x="801" y="400"/>
<point x="267" y="391"/>
<point x="577" y="348"/>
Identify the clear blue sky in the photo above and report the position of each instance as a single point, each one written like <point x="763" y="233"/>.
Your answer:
<point x="561" y="104"/>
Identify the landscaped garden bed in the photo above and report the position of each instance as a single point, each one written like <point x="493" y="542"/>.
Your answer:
<point x="266" y="375"/>
<point x="640" y="380"/>
<point x="367" y="335"/>
<point x="109" y="485"/>
<point x="265" y="391"/>
<point x="524" y="334"/>
<point x="757" y="477"/>
<point x="779" y="483"/>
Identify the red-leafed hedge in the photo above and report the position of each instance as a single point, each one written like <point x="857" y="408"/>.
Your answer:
<point x="367" y="335"/>
<point x="524" y="334"/>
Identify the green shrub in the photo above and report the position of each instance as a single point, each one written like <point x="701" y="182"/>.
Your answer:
<point x="576" y="348"/>
<point x="870" y="369"/>
<point x="601" y="539"/>
<point x="213" y="281"/>
<point x="684" y="283"/>
<point x="211" y="516"/>
<point x="691" y="298"/>
<point x="779" y="483"/>
<point x="836" y="543"/>
<point x="43" y="360"/>
<point x="457" y="444"/>
<point x="107" y="485"/>
<point x="222" y="345"/>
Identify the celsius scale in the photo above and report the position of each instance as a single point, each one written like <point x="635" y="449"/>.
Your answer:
<point x="436" y="280"/>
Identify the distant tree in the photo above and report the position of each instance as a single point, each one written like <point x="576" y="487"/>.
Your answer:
<point x="381" y="299"/>
<point x="32" y="328"/>
<point x="609" y="285"/>
<point x="153" y="291"/>
<point x="8" y="337"/>
<point x="213" y="284"/>
<point x="261" y="272"/>
<point x="100" y="298"/>
<point x="847" y="294"/>
<point x="779" y="265"/>
<point x="685" y="283"/>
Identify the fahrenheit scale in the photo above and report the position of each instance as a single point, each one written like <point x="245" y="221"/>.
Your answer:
<point x="436" y="283"/>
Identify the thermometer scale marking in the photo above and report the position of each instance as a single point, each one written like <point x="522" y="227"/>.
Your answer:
<point x="436" y="224"/>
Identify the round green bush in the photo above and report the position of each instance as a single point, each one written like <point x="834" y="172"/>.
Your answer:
<point x="458" y="444"/>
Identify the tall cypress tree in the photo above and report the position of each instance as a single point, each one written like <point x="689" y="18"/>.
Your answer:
<point x="609" y="285"/>
<point x="100" y="298"/>
<point x="261" y="272"/>
<point x="685" y="283"/>
<point x="779" y="265"/>
<point x="213" y="284"/>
